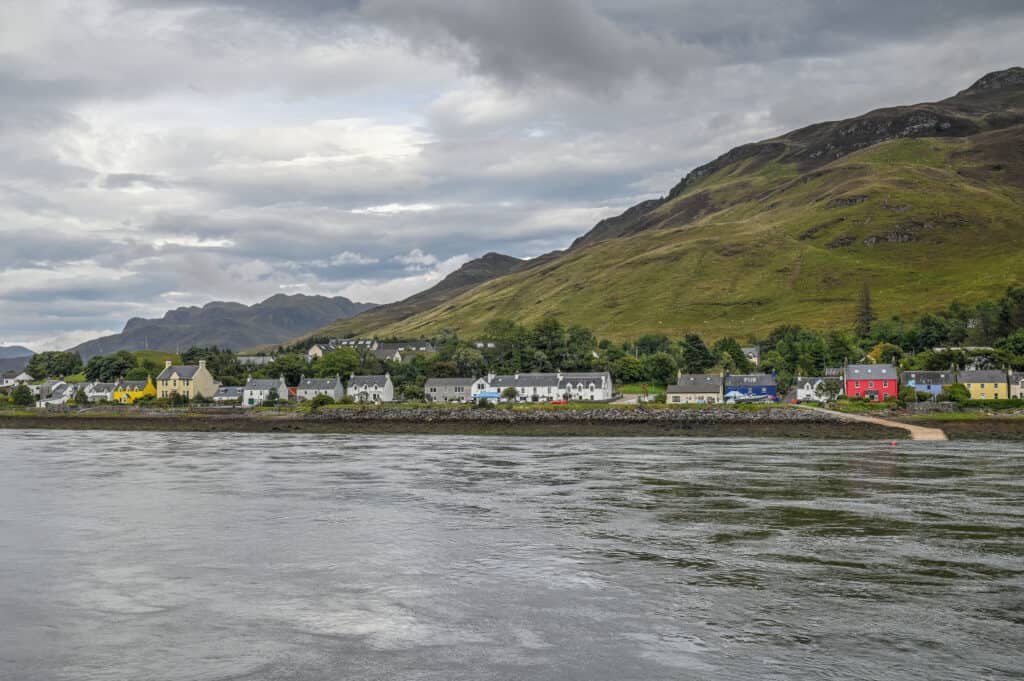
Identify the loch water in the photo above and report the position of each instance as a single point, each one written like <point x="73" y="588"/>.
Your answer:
<point x="232" y="556"/>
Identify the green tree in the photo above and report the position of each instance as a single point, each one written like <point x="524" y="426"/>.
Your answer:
<point x="340" y="362"/>
<point x="469" y="361"/>
<point x="291" y="366"/>
<point x="22" y="396"/>
<point x="109" y="368"/>
<point x="510" y="394"/>
<point x="660" y="368"/>
<point x="731" y="356"/>
<point x="137" y="374"/>
<point x="886" y="353"/>
<point x="652" y="343"/>
<point x="694" y="356"/>
<point x="580" y="346"/>
<point x="628" y="369"/>
<point x="54" y="364"/>
<point x="865" y="314"/>
<point x="955" y="393"/>
<point x="80" y="397"/>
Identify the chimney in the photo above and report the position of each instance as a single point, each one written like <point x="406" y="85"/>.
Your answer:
<point x="202" y="364"/>
<point x="167" y="364"/>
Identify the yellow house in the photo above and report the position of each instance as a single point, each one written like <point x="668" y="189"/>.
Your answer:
<point x="985" y="385"/>
<point x="127" y="392"/>
<point x="191" y="381"/>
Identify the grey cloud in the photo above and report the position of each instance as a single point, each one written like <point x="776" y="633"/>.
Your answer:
<point x="196" y="149"/>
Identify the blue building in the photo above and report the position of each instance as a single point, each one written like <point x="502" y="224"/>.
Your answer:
<point x="928" y="381"/>
<point x="751" y="388"/>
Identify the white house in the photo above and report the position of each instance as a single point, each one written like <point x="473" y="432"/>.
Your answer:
<point x="13" y="378"/>
<point x="317" y="351"/>
<point x="309" y="388"/>
<point x="228" y="393"/>
<point x="61" y="393"/>
<point x="256" y="391"/>
<point x="547" y="387"/>
<point x="254" y="360"/>
<point x="378" y="388"/>
<point x="100" y="392"/>
<point x="807" y="388"/>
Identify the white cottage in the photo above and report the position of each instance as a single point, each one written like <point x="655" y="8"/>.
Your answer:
<point x="256" y="391"/>
<point x="371" y="388"/>
<point x="309" y="388"/>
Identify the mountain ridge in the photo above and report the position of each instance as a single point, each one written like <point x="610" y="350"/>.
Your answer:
<point x="922" y="202"/>
<point x="226" y="324"/>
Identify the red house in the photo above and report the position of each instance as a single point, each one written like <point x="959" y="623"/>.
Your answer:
<point x="875" y="382"/>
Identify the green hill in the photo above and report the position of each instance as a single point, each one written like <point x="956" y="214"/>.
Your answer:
<point x="923" y="203"/>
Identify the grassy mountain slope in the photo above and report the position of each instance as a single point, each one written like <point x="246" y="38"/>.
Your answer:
<point x="228" y="325"/>
<point x="467" y="277"/>
<point x="923" y="203"/>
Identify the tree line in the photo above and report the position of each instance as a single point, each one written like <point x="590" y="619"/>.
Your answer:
<point x="789" y="350"/>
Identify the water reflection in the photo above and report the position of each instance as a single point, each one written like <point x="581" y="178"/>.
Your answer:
<point x="211" y="556"/>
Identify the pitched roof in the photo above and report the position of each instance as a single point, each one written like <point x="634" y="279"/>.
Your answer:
<point x="103" y="387"/>
<point x="263" y="384"/>
<point x="448" y="382"/>
<point x="930" y="377"/>
<point x="750" y="380"/>
<point x="982" y="376"/>
<point x="525" y="381"/>
<point x="407" y="346"/>
<point x="318" y="383"/>
<point x="229" y="391"/>
<point x="696" y="383"/>
<point x="856" y="372"/>
<point x="183" y="371"/>
<point x="130" y="385"/>
<point x="369" y="380"/>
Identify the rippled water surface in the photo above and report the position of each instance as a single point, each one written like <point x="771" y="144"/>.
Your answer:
<point x="202" y="556"/>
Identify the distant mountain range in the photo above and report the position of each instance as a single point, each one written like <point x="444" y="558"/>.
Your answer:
<point x="228" y="325"/>
<point x="13" y="351"/>
<point x="923" y="203"/>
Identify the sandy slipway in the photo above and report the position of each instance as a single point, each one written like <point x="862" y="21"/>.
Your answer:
<point x="598" y="422"/>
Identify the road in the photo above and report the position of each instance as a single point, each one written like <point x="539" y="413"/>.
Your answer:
<point x="916" y="432"/>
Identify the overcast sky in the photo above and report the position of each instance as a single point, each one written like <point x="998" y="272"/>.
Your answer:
<point x="163" y="153"/>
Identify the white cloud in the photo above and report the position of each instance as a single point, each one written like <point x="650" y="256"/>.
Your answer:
<point x="395" y="208"/>
<point x="350" y="258"/>
<point x="417" y="258"/>
<point x="390" y="290"/>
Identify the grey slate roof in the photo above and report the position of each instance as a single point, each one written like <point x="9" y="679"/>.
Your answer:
<point x="982" y="376"/>
<point x="929" y="377"/>
<point x="862" y="372"/>
<point x="229" y="392"/>
<point x="750" y="380"/>
<point x="318" y="383"/>
<point x="130" y="385"/>
<point x="407" y="346"/>
<point x="104" y="387"/>
<point x="448" y="382"/>
<point x="184" y="371"/>
<point x="374" y="380"/>
<point x="263" y="384"/>
<point x="696" y="383"/>
<point x="525" y="381"/>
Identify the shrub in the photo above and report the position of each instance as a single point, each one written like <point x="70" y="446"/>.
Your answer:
<point x="22" y="396"/>
<point x="321" y="401"/>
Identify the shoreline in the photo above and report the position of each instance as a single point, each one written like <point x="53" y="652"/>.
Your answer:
<point x="718" y="422"/>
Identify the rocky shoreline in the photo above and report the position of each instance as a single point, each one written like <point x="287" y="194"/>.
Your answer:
<point x="602" y="422"/>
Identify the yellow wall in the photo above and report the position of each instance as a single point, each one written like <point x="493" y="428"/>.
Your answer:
<point x="129" y="396"/>
<point x="201" y="383"/>
<point x="991" y="391"/>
